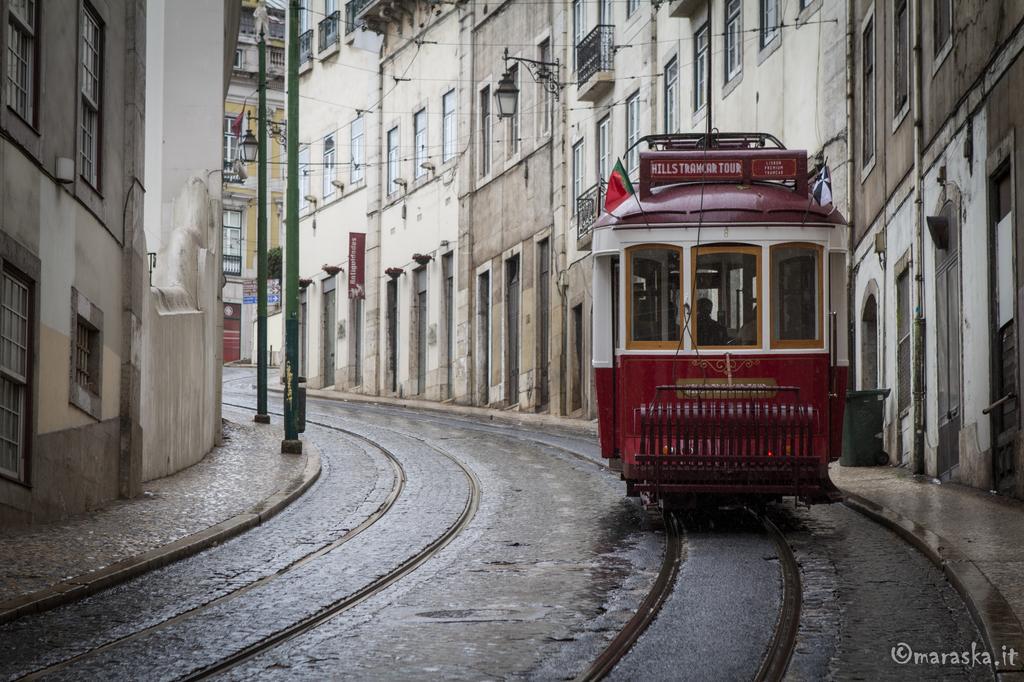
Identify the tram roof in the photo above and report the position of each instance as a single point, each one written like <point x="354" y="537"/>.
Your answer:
<point x="719" y="203"/>
<point x="720" y="178"/>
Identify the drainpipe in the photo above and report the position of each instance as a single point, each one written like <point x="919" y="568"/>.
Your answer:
<point x="851" y="137"/>
<point x="917" y="462"/>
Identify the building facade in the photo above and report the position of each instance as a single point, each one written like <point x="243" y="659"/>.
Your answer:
<point x="81" y="326"/>
<point x="338" y="118"/>
<point x="936" y="235"/>
<point x="478" y="265"/>
<point x="239" y="191"/>
<point x="908" y="104"/>
<point x="70" y="146"/>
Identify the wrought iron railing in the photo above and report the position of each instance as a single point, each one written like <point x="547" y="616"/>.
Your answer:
<point x="306" y="47"/>
<point x="595" y="53"/>
<point x="328" y="30"/>
<point x="588" y="210"/>
<point x="230" y="173"/>
<point x="232" y="265"/>
<point x="352" y="10"/>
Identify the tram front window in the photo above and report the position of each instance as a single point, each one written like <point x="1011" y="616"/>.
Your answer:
<point x="654" y="294"/>
<point x="725" y="296"/>
<point x="796" y="295"/>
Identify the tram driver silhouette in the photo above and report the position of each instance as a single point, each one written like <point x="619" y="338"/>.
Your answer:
<point x="709" y="331"/>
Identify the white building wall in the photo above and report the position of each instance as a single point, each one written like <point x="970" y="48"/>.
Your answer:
<point x="340" y="84"/>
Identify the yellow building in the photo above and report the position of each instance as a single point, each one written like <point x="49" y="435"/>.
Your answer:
<point x="239" y="218"/>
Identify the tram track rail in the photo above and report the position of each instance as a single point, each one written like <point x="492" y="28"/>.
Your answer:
<point x="780" y="648"/>
<point x="367" y="591"/>
<point x="648" y="610"/>
<point x="465" y="517"/>
<point x="783" y="642"/>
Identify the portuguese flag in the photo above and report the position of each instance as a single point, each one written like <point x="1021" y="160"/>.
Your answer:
<point x="619" y="188"/>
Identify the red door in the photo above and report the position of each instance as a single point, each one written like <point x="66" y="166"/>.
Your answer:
<point x="232" y="332"/>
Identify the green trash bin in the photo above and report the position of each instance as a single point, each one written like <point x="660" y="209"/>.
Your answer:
<point x="862" y="429"/>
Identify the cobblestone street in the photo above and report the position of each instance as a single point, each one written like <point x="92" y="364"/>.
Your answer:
<point x="539" y="562"/>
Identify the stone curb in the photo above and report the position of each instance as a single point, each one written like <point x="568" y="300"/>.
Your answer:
<point x="588" y="427"/>
<point x="995" y="618"/>
<point x="87" y="584"/>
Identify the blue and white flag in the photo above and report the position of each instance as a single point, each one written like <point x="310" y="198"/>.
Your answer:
<point x="822" y="190"/>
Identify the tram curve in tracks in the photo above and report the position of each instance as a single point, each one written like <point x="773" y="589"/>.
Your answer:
<point x="776" y="659"/>
<point x="68" y="665"/>
<point x="374" y="587"/>
<point x="394" y="494"/>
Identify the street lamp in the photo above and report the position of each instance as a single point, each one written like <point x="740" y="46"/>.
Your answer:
<point x="507" y="94"/>
<point x="248" y="148"/>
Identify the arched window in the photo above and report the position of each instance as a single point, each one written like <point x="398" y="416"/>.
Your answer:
<point x="869" y="344"/>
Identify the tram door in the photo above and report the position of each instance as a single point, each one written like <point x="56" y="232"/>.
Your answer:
<point x="947" y="323"/>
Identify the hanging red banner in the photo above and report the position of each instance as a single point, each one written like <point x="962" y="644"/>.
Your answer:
<point x="356" y="264"/>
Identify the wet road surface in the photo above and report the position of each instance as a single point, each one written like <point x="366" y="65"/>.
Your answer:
<point x="552" y="563"/>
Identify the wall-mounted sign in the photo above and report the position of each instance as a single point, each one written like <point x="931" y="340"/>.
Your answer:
<point x="356" y="264"/>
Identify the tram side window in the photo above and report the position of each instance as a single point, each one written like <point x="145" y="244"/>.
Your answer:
<point x="725" y="296"/>
<point x="796" y="295"/>
<point x="654" y="292"/>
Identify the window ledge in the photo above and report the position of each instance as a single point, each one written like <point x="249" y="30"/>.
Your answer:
<point x="901" y="115"/>
<point x="940" y="58"/>
<point x="85" y="400"/>
<point x="698" y="115"/>
<point x="768" y="50"/>
<point x="732" y="84"/>
<point x="866" y="170"/>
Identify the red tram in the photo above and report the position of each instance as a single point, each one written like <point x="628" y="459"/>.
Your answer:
<point x="718" y="292"/>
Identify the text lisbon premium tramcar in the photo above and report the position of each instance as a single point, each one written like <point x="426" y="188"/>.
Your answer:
<point x="719" y="296"/>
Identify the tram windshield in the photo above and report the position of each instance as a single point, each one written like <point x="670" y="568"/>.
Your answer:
<point x="725" y="287"/>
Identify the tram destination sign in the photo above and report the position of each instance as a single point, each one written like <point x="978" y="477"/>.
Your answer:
<point x="666" y="167"/>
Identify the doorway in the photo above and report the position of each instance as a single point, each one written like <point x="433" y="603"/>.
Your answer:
<point x="421" y="331"/>
<point x="512" y="326"/>
<point x="328" y="319"/>
<point x="869" y="344"/>
<point x="544" y="321"/>
<point x="947" y="331"/>
<point x="1003" y="410"/>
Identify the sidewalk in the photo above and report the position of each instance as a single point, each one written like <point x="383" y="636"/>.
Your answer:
<point x="585" y="427"/>
<point x="975" y="537"/>
<point x="235" y="487"/>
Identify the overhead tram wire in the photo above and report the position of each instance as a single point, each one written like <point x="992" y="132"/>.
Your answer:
<point x="780" y="26"/>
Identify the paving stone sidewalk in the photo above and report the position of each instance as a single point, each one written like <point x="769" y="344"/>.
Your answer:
<point x="963" y="527"/>
<point x="238" y="479"/>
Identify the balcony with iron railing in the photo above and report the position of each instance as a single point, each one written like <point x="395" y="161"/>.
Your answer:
<point x="306" y="48"/>
<point x="588" y="210"/>
<point x="232" y="265"/>
<point x="275" y="57"/>
<point x="352" y="10"/>
<point x="230" y="172"/>
<point x="595" y="63"/>
<point x="328" y="31"/>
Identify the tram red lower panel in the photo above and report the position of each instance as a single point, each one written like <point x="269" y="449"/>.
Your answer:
<point x="774" y="438"/>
